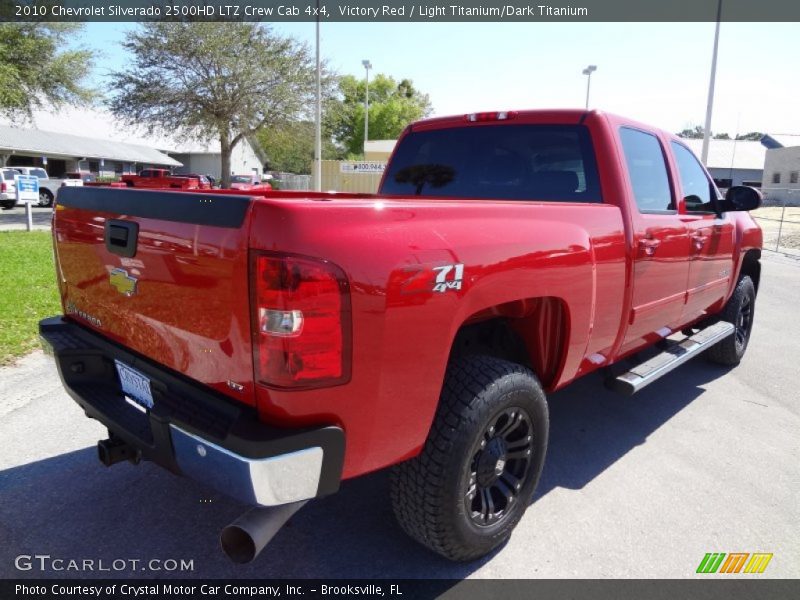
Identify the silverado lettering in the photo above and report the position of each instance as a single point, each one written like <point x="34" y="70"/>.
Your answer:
<point x="279" y="342"/>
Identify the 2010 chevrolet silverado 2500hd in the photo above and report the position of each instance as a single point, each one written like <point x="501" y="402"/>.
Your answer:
<point x="272" y="344"/>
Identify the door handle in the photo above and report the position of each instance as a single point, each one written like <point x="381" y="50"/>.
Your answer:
<point x="699" y="240"/>
<point x="649" y="245"/>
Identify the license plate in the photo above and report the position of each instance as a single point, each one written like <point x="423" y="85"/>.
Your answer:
<point x="135" y="385"/>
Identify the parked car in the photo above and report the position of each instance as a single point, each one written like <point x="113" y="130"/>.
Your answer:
<point x="331" y="335"/>
<point x="48" y="188"/>
<point x="8" y="188"/>
<point x="84" y="176"/>
<point x="247" y="184"/>
<point x="205" y="182"/>
<point x="159" y="179"/>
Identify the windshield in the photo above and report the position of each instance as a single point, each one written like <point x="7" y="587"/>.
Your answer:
<point x="504" y="162"/>
<point x="9" y="175"/>
<point x="241" y="179"/>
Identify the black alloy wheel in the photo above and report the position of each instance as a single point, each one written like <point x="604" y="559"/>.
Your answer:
<point x="499" y="467"/>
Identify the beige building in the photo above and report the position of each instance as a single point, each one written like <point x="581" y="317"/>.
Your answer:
<point x="782" y="177"/>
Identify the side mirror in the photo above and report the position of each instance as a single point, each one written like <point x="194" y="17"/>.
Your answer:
<point x="741" y="197"/>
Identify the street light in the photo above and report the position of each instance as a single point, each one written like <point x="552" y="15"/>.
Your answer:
<point x="588" y="72"/>
<point x="367" y="67"/>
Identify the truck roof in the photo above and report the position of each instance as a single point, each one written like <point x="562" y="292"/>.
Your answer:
<point x="532" y="116"/>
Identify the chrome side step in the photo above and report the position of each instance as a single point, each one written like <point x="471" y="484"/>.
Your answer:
<point x="647" y="372"/>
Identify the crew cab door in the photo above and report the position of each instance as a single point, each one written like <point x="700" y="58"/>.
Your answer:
<point x="661" y="242"/>
<point x="711" y="235"/>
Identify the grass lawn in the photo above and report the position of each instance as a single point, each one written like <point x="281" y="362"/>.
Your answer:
<point x="28" y="290"/>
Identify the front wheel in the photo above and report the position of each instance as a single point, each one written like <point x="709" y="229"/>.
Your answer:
<point x="466" y="491"/>
<point x="739" y="310"/>
<point x="45" y="198"/>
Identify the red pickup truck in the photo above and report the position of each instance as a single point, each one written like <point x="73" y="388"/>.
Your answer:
<point x="163" y="179"/>
<point x="274" y="344"/>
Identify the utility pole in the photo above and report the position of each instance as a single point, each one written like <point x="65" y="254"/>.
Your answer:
<point x="318" y="124"/>
<point x="367" y="66"/>
<point x="710" y="106"/>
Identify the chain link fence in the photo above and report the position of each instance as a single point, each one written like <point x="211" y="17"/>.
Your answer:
<point x="779" y="218"/>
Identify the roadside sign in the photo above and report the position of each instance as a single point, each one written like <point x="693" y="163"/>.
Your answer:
<point x="362" y="167"/>
<point x="27" y="188"/>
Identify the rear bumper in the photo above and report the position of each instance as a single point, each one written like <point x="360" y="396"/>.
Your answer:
<point x="194" y="431"/>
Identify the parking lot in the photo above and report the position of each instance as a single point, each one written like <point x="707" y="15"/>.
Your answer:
<point x="705" y="460"/>
<point x="15" y="218"/>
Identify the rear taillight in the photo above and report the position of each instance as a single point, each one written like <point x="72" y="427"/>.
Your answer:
<point x="3" y="187"/>
<point x="301" y="322"/>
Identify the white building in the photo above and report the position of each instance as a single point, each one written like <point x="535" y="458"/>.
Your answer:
<point x="206" y="158"/>
<point x="782" y="170"/>
<point x="94" y="141"/>
<point x="733" y="162"/>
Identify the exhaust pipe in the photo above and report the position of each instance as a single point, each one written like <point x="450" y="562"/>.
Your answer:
<point x="245" y="538"/>
<point x="112" y="451"/>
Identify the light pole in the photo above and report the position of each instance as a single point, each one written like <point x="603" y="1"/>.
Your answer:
<point x="367" y="67"/>
<point x="588" y="72"/>
<point x="710" y="106"/>
<point x="318" y="121"/>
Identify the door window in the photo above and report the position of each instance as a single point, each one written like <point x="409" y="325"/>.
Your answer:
<point x="647" y="170"/>
<point x="699" y="194"/>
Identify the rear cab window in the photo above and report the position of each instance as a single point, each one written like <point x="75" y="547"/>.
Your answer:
<point x="496" y="162"/>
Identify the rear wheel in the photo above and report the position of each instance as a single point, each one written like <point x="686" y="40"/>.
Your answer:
<point x="8" y="205"/>
<point x="466" y="491"/>
<point x="739" y="310"/>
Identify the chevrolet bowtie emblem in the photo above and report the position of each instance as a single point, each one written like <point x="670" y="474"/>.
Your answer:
<point x="124" y="283"/>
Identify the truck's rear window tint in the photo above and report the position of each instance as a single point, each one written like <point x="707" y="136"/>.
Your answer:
<point x="503" y="162"/>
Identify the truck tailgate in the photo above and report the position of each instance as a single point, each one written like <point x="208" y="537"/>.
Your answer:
<point x="164" y="274"/>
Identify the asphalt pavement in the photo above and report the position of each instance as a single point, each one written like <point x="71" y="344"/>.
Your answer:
<point x="15" y="219"/>
<point x="705" y="460"/>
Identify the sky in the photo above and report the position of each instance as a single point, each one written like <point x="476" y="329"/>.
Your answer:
<point x="657" y="73"/>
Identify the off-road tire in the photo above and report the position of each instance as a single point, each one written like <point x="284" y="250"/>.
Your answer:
<point x="739" y="310"/>
<point x="429" y="492"/>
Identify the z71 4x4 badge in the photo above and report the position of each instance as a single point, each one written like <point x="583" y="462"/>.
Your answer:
<point x="444" y="281"/>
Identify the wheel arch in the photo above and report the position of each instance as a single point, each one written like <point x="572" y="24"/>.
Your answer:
<point x="751" y="265"/>
<point x="532" y="332"/>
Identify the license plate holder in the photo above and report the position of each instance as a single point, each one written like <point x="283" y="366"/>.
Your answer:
<point x="135" y="385"/>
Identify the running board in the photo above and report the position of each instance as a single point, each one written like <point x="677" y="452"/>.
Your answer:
<point x="647" y="372"/>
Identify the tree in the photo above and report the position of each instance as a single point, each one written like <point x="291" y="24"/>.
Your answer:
<point x="721" y="136"/>
<point x="695" y="133"/>
<point x="36" y="70"/>
<point x="290" y="146"/>
<point x="753" y="136"/>
<point x="223" y="81"/>
<point x="392" y="106"/>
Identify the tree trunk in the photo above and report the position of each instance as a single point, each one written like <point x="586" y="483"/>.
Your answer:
<point x="225" y="148"/>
